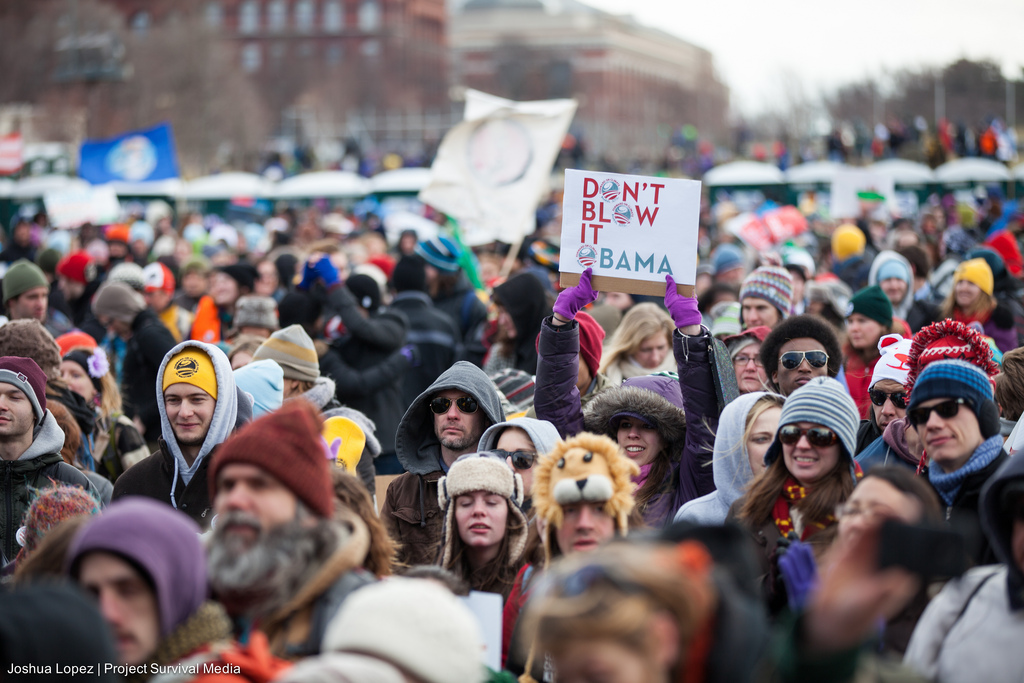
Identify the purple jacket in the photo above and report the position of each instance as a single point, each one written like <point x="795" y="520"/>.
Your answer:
<point x="1004" y="337"/>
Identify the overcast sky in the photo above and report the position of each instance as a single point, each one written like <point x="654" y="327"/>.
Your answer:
<point x="755" y="43"/>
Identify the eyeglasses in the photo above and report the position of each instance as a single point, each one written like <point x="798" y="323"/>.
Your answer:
<point x="945" y="410"/>
<point x="819" y="437"/>
<point x="466" y="404"/>
<point x="792" y="359"/>
<point x="521" y="460"/>
<point x="898" y="398"/>
<point x="743" y="359"/>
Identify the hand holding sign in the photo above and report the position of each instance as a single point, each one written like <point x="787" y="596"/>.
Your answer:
<point x="683" y="309"/>
<point x="572" y="300"/>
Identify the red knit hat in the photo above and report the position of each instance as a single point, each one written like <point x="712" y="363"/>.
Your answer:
<point x="287" y="445"/>
<point x="945" y="340"/>
<point x="77" y="266"/>
<point x="384" y="262"/>
<point x="591" y="338"/>
<point x="1006" y="246"/>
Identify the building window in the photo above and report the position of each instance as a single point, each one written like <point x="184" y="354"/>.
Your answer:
<point x="335" y="54"/>
<point x="334" y="16"/>
<point x="213" y="14"/>
<point x="249" y="17"/>
<point x="252" y="58"/>
<point x="370" y="48"/>
<point x="369" y="15"/>
<point x="140" y="22"/>
<point x="278" y="52"/>
<point x="305" y="12"/>
<point x="277" y="16"/>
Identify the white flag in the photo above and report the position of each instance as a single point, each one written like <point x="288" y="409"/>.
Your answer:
<point x="494" y="167"/>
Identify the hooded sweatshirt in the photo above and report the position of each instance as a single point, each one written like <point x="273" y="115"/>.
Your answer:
<point x="542" y="433"/>
<point x="410" y="510"/>
<point x="524" y="298"/>
<point x="731" y="466"/>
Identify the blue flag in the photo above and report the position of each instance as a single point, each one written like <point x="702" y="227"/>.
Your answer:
<point x="135" y="157"/>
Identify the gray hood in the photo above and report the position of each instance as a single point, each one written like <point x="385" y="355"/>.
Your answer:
<point x="321" y="393"/>
<point x="225" y="413"/>
<point x="903" y="309"/>
<point x="416" y="445"/>
<point x="542" y="433"/>
<point x="730" y="463"/>
<point x="47" y="438"/>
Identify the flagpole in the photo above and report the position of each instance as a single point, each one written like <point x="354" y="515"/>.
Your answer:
<point x="510" y="258"/>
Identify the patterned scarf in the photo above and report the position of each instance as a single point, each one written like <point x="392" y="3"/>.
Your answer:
<point x="792" y="492"/>
<point x="948" y="485"/>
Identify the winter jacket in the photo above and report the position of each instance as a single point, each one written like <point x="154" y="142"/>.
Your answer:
<point x="464" y="308"/>
<point x="166" y="475"/>
<point x="117" y="445"/>
<point x="524" y="298"/>
<point x="436" y="337"/>
<point x="210" y="324"/>
<point x="1001" y="328"/>
<point x="730" y="465"/>
<point x="82" y="315"/>
<point x="177" y="320"/>
<point x="858" y="379"/>
<point x="38" y="467"/>
<point x="878" y="454"/>
<point x="144" y="356"/>
<point x="410" y="511"/>
<point x="867" y="433"/>
<point x="853" y="271"/>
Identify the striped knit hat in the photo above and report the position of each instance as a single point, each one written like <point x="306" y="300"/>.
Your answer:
<point x="293" y="350"/>
<point x="958" y="379"/>
<point x="823" y="401"/>
<point x="52" y="506"/>
<point x="773" y="284"/>
<point x="441" y="253"/>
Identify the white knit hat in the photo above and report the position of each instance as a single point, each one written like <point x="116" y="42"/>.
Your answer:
<point x="415" y="624"/>
<point x="894" y="363"/>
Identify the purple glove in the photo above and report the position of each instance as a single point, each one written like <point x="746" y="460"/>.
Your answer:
<point x="571" y="300"/>
<point x="683" y="309"/>
<point x="411" y="355"/>
<point x="799" y="573"/>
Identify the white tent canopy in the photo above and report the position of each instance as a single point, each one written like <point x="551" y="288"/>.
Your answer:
<point x="322" y="184"/>
<point x="972" y="170"/>
<point x="904" y="172"/>
<point x="227" y="186"/>
<point x="1018" y="171"/>
<point x="401" y="180"/>
<point x="35" y="187"/>
<point x="744" y="173"/>
<point x="814" y="172"/>
<point x="172" y="187"/>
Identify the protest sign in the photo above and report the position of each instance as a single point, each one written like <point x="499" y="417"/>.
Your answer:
<point x="71" y="208"/>
<point x="766" y="231"/>
<point x="855" y="190"/>
<point x="632" y="230"/>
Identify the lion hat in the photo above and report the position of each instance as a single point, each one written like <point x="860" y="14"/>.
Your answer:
<point x="587" y="468"/>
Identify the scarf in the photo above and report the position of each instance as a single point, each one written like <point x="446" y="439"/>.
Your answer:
<point x="793" y="492"/>
<point x="948" y="485"/>
<point x="894" y="436"/>
<point x="641" y="478"/>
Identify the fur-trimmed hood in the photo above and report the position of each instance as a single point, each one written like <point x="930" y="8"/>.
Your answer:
<point x="655" y="399"/>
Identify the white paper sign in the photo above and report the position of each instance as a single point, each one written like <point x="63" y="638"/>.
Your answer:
<point x="486" y="607"/>
<point x="844" y="202"/>
<point x="74" y="207"/>
<point x="630" y="227"/>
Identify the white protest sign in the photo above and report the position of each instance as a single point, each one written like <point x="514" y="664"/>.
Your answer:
<point x="848" y="183"/>
<point x="486" y="607"/>
<point x="632" y="230"/>
<point x="73" y="207"/>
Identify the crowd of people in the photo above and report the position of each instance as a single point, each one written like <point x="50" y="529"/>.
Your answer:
<point x="294" y="452"/>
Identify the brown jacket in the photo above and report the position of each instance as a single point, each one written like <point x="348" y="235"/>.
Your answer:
<point x="413" y="517"/>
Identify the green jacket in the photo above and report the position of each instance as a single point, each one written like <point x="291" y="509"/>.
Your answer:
<point x="38" y="467"/>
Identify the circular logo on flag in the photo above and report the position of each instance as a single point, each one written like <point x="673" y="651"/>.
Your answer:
<point x="586" y="256"/>
<point x="499" y="152"/>
<point x="610" y="190"/>
<point x="622" y="214"/>
<point x="133" y="158"/>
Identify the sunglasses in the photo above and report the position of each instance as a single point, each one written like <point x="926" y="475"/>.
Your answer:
<point x="521" y="460"/>
<point x="945" y="410"/>
<point x="898" y="398"/>
<point x="792" y="359"/>
<point x="466" y="404"/>
<point x="819" y="437"/>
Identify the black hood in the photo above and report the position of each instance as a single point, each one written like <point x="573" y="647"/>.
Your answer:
<point x="527" y="304"/>
<point x="998" y="525"/>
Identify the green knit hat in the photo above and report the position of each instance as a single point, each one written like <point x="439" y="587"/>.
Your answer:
<point x="22" y="276"/>
<point x="47" y="259"/>
<point x="871" y="302"/>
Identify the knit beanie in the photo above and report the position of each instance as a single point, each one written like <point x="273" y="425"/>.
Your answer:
<point x="25" y="374"/>
<point x="195" y="264"/>
<point x="415" y="624"/>
<point x="1004" y="243"/>
<point x="365" y="290"/>
<point x="517" y="386"/>
<point x="440" y="252"/>
<point x="256" y="311"/>
<point x="47" y="260"/>
<point x="591" y="342"/>
<point x="958" y="379"/>
<point x="293" y="350"/>
<point x="895" y="268"/>
<point x="486" y="471"/>
<point x="70" y="340"/>
<point x="52" y="506"/>
<point x="242" y="273"/>
<point x="976" y="271"/>
<point x="871" y="302"/>
<point x="22" y="276"/>
<point x="77" y="267"/>
<point x="823" y="401"/>
<point x="28" y="338"/>
<point x="264" y="381"/>
<point x="117" y="232"/>
<point x="944" y="340"/>
<point x="894" y="362"/>
<point x="848" y="240"/>
<point x="287" y="445"/>
<point x="119" y="301"/>
<point x="725" y="319"/>
<point x="726" y="257"/>
<point x="94" y="364"/>
<point x="191" y="366"/>
<point x="157" y="277"/>
<point x="128" y="273"/>
<point x="773" y="284"/>
<point x="409" y="275"/>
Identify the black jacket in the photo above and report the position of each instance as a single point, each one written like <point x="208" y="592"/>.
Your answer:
<point x="436" y="337"/>
<point x="82" y="315"/>
<point x="922" y="314"/>
<point x="153" y="476"/>
<point x="527" y="304"/>
<point x="149" y="343"/>
<point x="465" y="309"/>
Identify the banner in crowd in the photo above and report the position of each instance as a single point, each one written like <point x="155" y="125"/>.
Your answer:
<point x="632" y="230"/>
<point x="493" y="169"/>
<point x="71" y="208"/>
<point x="137" y="156"/>
<point x="12" y="149"/>
<point x="854" y="190"/>
<point x="767" y="230"/>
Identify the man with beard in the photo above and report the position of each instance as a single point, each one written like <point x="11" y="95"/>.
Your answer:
<point x="277" y="561"/>
<point x="444" y="422"/>
<point x="199" y="407"/>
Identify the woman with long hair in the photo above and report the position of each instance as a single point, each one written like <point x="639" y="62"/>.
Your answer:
<point x="115" y="443"/>
<point x="353" y="505"/>
<point x="971" y="301"/>
<point x="641" y="345"/>
<point x="869" y="318"/>
<point x="485" y="531"/>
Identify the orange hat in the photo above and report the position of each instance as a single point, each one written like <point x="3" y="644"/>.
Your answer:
<point x="70" y="340"/>
<point x="117" y="232"/>
<point x="157" y="277"/>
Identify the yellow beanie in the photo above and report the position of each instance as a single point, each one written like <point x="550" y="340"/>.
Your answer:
<point x="191" y="366"/>
<point x="848" y="240"/>
<point x="977" y="271"/>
